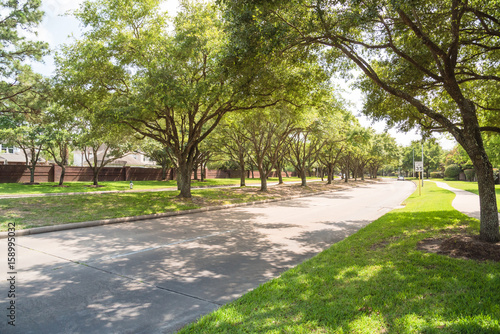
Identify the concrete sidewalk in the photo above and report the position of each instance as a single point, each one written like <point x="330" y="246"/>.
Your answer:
<point x="465" y="201"/>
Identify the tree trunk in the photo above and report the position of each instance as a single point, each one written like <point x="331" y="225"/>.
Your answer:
<point x="280" y="177"/>
<point x="303" y="178"/>
<point x="95" y="181"/>
<point x="330" y="173"/>
<point x="242" y="173"/>
<point x="202" y="172"/>
<point x="178" y="178"/>
<point x="184" y="180"/>
<point x="32" y="174"/>
<point x="195" y="171"/>
<point x="63" y="172"/>
<point x="263" y="180"/>
<point x="163" y="172"/>
<point x="472" y="142"/>
<point x="489" y="226"/>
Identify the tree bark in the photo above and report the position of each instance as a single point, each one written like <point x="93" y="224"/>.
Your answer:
<point x="330" y="173"/>
<point x="63" y="172"/>
<point x="303" y="178"/>
<point x="184" y="179"/>
<point x="178" y="178"/>
<point x="242" y="176"/>
<point x="163" y="172"/>
<point x="203" y="172"/>
<point x="95" y="180"/>
<point x="471" y="140"/>
<point x="280" y="177"/>
<point x="195" y="171"/>
<point x="263" y="180"/>
<point x="32" y="174"/>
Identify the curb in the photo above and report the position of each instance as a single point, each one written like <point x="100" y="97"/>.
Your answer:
<point x="70" y="226"/>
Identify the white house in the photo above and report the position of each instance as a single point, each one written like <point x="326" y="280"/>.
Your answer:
<point x="10" y="155"/>
<point x="130" y="159"/>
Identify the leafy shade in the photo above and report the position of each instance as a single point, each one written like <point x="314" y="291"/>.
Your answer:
<point x="19" y="86"/>
<point x="432" y="64"/>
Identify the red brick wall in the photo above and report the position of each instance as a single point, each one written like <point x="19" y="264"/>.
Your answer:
<point x="19" y="174"/>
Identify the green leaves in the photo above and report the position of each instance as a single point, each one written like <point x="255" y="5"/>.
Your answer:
<point x="18" y="85"/>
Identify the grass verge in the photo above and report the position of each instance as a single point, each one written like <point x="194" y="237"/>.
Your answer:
<point x="45" y="211"/>
<point x="375" y="281"/>
<point x="50" y="187"/>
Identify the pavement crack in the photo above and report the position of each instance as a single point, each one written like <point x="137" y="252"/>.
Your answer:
<point x="138" y="280"/>
<point x="144" y="282"/>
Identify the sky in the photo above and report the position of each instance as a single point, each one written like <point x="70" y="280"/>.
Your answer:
<point x="59" y="27"/>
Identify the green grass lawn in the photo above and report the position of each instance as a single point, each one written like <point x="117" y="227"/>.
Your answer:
<point x="472" y="187"/>
<point x="44" y="211"/>
<point x="30" y="212"/>
<point x="48" y="187"/>
<point x="376" y="281"/>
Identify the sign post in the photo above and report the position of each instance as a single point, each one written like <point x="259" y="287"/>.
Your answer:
<point x="419" y="168"/>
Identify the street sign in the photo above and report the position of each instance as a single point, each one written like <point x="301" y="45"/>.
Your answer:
<point x="419" y="166"/>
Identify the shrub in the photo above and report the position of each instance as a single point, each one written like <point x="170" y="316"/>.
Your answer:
<point x="452" y="172"/>
<point x="436" y="175"/>
<point x="470" y="174"/>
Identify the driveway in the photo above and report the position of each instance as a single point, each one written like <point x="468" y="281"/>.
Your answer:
<point x="156" y="276"/>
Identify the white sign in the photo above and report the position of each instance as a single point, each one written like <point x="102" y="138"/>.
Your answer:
<point x="419" y="166"/>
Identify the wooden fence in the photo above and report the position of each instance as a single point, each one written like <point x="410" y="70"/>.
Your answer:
<point x="20" y="174"/>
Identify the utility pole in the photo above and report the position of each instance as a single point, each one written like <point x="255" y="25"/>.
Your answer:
<point x="422" y="161"/>
<point x="413" y="172"/>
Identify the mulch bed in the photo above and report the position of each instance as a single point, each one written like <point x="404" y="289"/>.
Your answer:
<point x="463" y="246"/>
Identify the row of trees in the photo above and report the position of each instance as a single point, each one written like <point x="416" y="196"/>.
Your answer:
<point x="325" y="139"/>
<point x="427" y="64"/>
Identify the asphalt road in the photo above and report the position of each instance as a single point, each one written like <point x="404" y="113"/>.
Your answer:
<point x="156" y="276"/>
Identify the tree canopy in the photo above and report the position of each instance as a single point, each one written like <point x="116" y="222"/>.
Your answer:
<point x="426" y="64"/>
<point x="19" y="86"/>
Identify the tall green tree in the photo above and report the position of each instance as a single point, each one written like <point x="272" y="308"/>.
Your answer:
<point x="383" y="151"/>
<point x="426" y="63"/>
<point x="267" y="133"/>
<point x="155" y="151"/>
<point x="26" y="132"/>
<point x="230" y="140"/>
<point x="19" y="86"/>
<point x="304" y="145"/>
<point x="172" y="85"/>
<point x="337" y="123"/>
<point x="60" y="131"/>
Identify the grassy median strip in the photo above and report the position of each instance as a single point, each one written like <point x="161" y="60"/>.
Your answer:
<point x="46" y="211"/>
<point x="69" y="187"/>
<point x="376" y="281"/>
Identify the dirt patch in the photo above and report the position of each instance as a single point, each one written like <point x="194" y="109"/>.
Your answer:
<point x="384" y="243"/>
<point x="464" y="246"/>
<point x="227" y="195"/>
